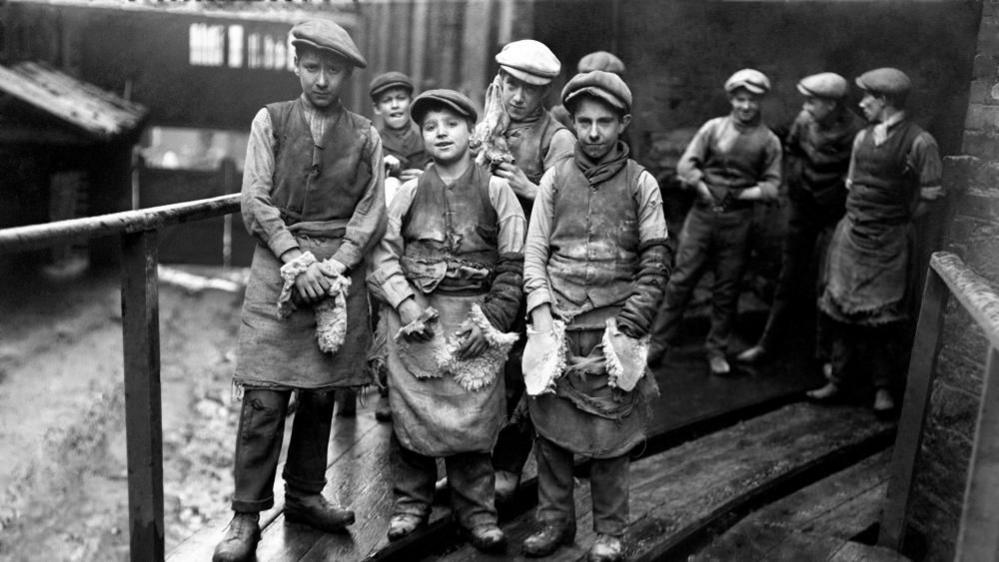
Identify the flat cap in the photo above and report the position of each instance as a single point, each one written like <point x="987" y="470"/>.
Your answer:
<point x="450" y="99"/>
<point x="824" y="85"/>
<point x="327" y="35"/>
<point x="890" y="81"/>
<point x="750" y="79"/>
<point x="604" y="85"/>
<point x="529" y="61"/>
<point x="388" y="80"/>
<point x="601" y="60"/>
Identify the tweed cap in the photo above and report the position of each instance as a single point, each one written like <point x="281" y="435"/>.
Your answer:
<point x="824" y="85"/>
<point x="750" y="79"/>
<point x="327" y="35"/>
<point x="451" y="99"/>
<point x="388" y="80"/>
<point x="529" y="61"/>
<point x="604" y="85"/>
<point x="891" y="81"/>
<point x="601" y="60"/>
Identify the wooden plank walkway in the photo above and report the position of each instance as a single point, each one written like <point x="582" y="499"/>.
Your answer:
<point x="679" y="495"/>
<point x="814" y="523"/>
<point x="692" y="403"/>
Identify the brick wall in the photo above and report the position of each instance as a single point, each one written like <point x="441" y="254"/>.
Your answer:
<point x="973" y="233"/>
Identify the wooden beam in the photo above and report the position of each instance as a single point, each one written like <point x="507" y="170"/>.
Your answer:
<point x="978" y="538"/>
<point x="918" y="388"/>
<point x="143" y="418"/>
<point x="971" y="290"/>
<point x="49" y="234"/>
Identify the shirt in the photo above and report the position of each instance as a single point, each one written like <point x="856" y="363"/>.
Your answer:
<point x="726" y="154"/>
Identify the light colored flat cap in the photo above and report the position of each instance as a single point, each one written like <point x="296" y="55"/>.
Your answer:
<point x="601" y="60"/>
<point x="750" y="79"/>
<point x="529" y="61"/>
<point x="890" y="81"/>
<point x="824" y="85"/>
<point x="604" y="85"/>
<point x="326" y="35"/>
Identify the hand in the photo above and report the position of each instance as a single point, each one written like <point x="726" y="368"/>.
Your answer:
<point x="410" y="312"/>
<point x="541" y="318"/>
<point x="392" y="163"/>
<point x="409" y="174"/>
<point x="332" y="267"/>
<point x="750" y="194"/>
<point x="475" y="342"/>
<point x="312" y="284"/>
<point x="518" y="181"/>
<point x="704" y="194"/>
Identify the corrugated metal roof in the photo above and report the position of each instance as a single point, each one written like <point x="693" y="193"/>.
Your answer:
<point x="98" y="113"/>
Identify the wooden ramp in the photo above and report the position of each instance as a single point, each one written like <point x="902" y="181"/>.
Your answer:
<point x="679" y="496"/>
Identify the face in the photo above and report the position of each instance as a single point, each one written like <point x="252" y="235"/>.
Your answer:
<point x="873" y="106"/>
<point x="393" y="106"/>
<point x="520" y="98"/>
<point x="445" y="135"/>
<point x="322" y="75"/>
<point x="819" y="108"/>
<point x="745" y="105"/>
<point x="597" y="127"/>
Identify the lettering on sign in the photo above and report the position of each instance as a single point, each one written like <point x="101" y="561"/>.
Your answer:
<point x="232" y="46"/>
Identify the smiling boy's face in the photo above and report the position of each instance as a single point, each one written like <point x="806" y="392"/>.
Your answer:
<point x="393" y="106"/>
<point x="445" y="135"/>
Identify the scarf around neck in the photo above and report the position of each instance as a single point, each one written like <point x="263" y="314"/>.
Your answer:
<point x="606" y="168"/>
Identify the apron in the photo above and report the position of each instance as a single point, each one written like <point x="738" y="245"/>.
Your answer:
<point x="283" y="353"/>
<point x="436" y="416"/>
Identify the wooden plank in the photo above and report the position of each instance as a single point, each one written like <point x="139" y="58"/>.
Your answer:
<point x="143" y="417"/>
<point x="684" y="490"/>
<point x="918" y="388"/>
<point x="36" y="236"/>
<point x="856" y="552"/>
<point x="971" y="290"/>
<point x="978" y="538"/>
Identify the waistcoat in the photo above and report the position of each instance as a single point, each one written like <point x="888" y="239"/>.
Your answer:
<point x="884" y="187"/>
<point x="740" y="164"/>
<point x="318" y="182"/>
<point x="529" y="143"/>
<point x="594" y="243"/>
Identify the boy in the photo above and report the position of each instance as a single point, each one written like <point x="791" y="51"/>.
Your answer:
<point x="450" y="268"/>
<point x="732" y="162"/>
<point x="594" y="271"/>
<point x="405" y="158"/>
<point x="312" y="196"/>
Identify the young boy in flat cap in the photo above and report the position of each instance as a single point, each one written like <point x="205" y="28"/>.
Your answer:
<point x="817" y="152"/>
<point x="536" y="142"/>
<point x="732" y="162"/>
<point x="894" y="172"/>
<point x="594" y="271"/>
<point x="597" y="60"/>
<point x="405" y="157"/>
<point x="450" y="266"/>
<point x="312" y="196"/>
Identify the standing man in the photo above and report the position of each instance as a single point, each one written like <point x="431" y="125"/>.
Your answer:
<point x="312" y="196"/>
<point x="732" y="162"/>
<point x="594" y="271"/>
<point x="597" y="60"/>
<point x="450" y="266"/>
<point x="894" y="173"/>
<point x="538" y="142"/>
<point x="818" y="155"/>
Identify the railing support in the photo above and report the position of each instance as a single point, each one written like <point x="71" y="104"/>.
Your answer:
<point x="143" y="415"/>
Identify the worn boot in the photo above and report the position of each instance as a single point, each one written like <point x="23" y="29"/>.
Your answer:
<point x="506" y="486"/>
<point x="828" y="394"/>
<point x="606" y="548"/>
<point x="548" y="539"/>
<point x="884" y="404"/>
<point x="404" y="524"/>
<point x="240" y="539"/>
<point x="755" y="354"/>
<point x="719" y="366"/>
<point x="487" y="538"/>
<point x="313" y="510"/>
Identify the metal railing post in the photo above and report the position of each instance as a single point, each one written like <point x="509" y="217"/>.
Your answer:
<point x="143" y="416"/>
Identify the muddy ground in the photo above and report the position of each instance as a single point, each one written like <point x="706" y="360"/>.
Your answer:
<point x="63" y="478"/>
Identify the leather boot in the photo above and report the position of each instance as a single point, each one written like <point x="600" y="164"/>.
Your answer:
<point x="506" y="486"/>
<point x="606" y="548"/>
<point x="755" y="354"/>
<point x="313" y="510"/>
<point x="884" y="404"/>
<point x="548" y="539"/>
<point x="240" y="539"/>
<point x="828" y="394"/>
<point x="404" y="524"/>
<point x="487" y="538"/>
<point x="719" y="366"/>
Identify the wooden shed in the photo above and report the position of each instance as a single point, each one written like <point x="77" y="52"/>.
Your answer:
<point x="65" y="150"/>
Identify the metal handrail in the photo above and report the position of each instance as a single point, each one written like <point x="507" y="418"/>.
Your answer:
<point x="978" y="537"/>
<point x="140" y="333"/>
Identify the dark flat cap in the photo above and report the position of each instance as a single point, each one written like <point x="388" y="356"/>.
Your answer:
<point x="604" y="85"/>
<point x="824" y="85"/>
<point x="529" y="61"/>
<point x="750" y="79"/>
<point x="601" y="60"/>
<point x="891" y="81"/>
<point x="327" y="35"/>
<point x="388" y="80"/>
<point x="450" y="99"/>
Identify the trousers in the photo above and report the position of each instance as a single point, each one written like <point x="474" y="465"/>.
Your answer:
<point x="258" y="446"/>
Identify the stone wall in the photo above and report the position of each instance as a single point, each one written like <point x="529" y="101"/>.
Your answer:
<point x="973" y="233"/>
